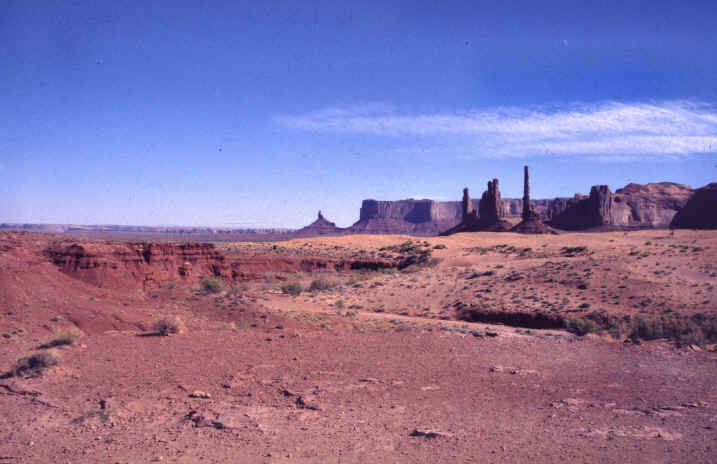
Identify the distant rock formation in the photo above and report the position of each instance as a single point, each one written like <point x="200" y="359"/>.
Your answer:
<point x="531" y="223"/>
<point x="466" y="206"/>
<point x="490" y="213"/>
<point x="700" y="212"/>
<point x="320" y="226"/>
<point x="417" y="217"/>
<point x="633" y="207"/>
<point x="490" y="208"/>
<point x="528" y="211"/>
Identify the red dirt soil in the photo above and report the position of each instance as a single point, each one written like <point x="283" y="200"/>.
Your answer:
<point x="261" y="376"/>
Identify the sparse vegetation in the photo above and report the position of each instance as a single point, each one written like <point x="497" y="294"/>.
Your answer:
<point x="291" y="288"/>
<point x="34" y="365"/>
<point x="171" y="325"/>
<point x="64" y="337"/>
<point x="581" y="326"/>
<point x="572" y="251"/>
<point x="320" y="285"/>
<point x="212" y="285"/>
<point x="102" y="413"/>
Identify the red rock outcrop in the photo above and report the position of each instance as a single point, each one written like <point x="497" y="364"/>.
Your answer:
<point x="531" y="223"/>
<point x="490" y="213"/>
<point x="700" y="212"/>
<point x="139" y="264"/>
<point x="490" y="209"/>
<point x="149" y="265"/>
<point x="633" y="207"/>
<point x="417" y="217"/>
<point x="320" y="226"/>
<point x="650" y="205"/>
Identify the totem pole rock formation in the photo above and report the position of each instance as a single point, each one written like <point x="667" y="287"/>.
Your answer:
<point x="531" y="223"/>
<point x="490" y="212"/>
<point x="490" y="206"/>
<point x="467" y="210"/>
<point x="528" y="211"/>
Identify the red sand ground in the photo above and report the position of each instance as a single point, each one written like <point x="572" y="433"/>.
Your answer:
<point x="305" y="379"/>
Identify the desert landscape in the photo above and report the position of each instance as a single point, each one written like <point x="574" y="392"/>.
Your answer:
<point x="474" y="347"/>
<point x="358" y="232"/>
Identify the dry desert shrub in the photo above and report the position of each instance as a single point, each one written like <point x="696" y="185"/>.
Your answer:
<point x="212" y="285"/>
<point x="33" y="365"/>
<point x="170" y="325"/>
<point x="580" y="326"/>
<point x="291" y="288"/>
<point x="64" y="337"/>
<point x="319" y="285"/>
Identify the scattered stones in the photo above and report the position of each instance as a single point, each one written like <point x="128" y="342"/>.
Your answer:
<point x="369" y="380"/>
<point x="429" y="433"/>
<point x="200" y="394"/>
<point x="202" y="421"/>
<point x="303" y="404"/>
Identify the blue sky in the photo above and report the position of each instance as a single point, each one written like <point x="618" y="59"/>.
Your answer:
<point x="251" y="114"/>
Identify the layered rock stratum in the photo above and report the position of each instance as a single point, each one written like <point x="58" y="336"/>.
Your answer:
<point x="700" y="212"/>
<point x="633" y="207"/>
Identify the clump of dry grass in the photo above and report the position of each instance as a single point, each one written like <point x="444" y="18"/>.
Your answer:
<point x="211" y="285"/>
<point x="170" y="325"/>
<point x="320" y="285"/>
<point x="64" y="336"/>
<point x="291" y="288"/>
<point x="33" y="365"/>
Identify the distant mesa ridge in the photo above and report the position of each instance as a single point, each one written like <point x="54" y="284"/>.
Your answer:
<point x="635" y="206"/>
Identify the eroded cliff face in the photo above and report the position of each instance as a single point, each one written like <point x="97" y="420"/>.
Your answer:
<point x="139" y="264"/>
<point x="700" y="212"/>
<point x="419" y="217"/>
<point x="144" y="266"/>
<point x="650" y="205"/>
<point x="635" y="206"/>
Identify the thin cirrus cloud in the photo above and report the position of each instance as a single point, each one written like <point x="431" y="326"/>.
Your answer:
<point x="607" y="130"/>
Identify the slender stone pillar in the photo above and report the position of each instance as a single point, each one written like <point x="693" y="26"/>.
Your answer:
<point x="467" y="209"/>
<point x="526" y="194"/>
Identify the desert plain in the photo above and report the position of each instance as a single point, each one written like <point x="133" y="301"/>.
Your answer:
<point x="475" y="347"/>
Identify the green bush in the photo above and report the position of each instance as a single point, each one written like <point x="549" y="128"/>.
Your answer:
<point x="212" y="285"/>
<point x="291" y="288"/>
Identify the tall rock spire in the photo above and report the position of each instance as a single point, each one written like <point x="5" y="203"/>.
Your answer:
<point x="527" y="212"/>
<point x="467" y="208"/>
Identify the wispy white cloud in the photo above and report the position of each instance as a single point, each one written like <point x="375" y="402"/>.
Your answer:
<point x="608" y="130"/>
